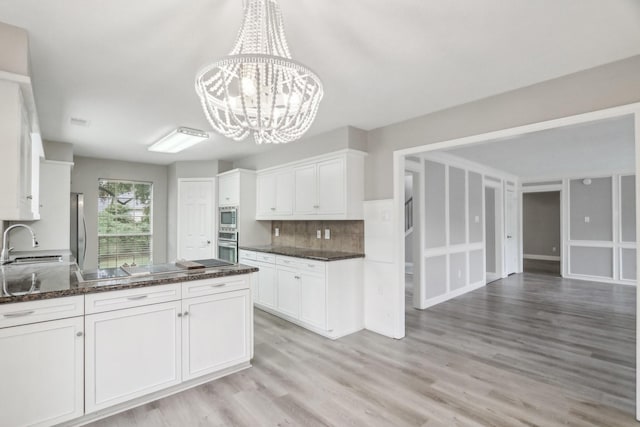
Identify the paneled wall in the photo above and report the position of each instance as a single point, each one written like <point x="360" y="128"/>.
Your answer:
<point x="601" y="228"/>
<point x="454" y="230"/>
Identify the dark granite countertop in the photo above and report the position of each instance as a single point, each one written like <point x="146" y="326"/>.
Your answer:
<point x="314" y="254"/>
<point x="61" y="279"/>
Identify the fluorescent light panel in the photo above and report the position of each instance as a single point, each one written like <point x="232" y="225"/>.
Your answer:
<point x="178" y="140"/>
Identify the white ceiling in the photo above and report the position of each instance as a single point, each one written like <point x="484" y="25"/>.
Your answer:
<point x="602" y="146"/>
<point x="129" y="66"/>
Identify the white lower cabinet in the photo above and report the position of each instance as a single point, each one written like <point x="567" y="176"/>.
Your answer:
<point x="216" y="332"/>
<point x="288" y="288"/>
<point x="131" y="352"/>
<point x="324" y="297"/>
<point x="313" y="303"/>
<point x="42" y="380"/>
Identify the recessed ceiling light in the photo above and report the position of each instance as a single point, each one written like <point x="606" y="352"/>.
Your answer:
<point x="178" y="140"/>
<point x="77" y="121"/>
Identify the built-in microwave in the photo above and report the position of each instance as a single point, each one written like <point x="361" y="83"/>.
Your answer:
<point x="228" y="218"/>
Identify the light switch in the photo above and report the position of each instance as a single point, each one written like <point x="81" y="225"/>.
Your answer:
<point x="553" y="249"/>
<point x="587" y="219"/>
<point x="277" y="233"/>
<point x="319" y="234"/>
<point x="327" y="234"/>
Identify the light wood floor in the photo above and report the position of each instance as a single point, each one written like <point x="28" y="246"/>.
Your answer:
<point x="527" y="350"/>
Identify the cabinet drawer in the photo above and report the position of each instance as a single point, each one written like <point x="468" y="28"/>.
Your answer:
<point x="22" y="313"/>
<point x="287" y="261"/>
<point x="199" y="288"/>
<point x="116" y="300"/>
<point x="309" y="266"/>
<point x="302" y="264"/>
<point x="269" y="258"/>
<point x="244" y="254"/>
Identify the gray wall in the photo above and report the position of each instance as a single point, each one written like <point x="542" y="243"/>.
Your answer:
<point x="541" y="223"/>
<point x="465" y="201"/>
<point x="84" y="179"/>
<point x="597" y="201"/>
<point x="490" y="230"/>
<point x="408" y="240"/>
<point x="435" y="197"/>
<point x="338" y="139"/>
<point x="590" y="209"/>
<point x="59" y="151"/>
<point x="577" y="93"/>
<point x="628" y="208"/>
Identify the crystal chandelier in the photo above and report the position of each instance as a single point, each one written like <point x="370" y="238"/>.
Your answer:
<point x="258" y="88"/>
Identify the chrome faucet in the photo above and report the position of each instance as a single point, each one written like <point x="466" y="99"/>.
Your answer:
<point x="4" y="255"/>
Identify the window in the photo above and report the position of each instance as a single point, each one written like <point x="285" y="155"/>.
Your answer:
<point x="124" y="223"/>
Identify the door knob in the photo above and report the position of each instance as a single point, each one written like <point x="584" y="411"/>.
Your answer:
<point x="208" y="242"/>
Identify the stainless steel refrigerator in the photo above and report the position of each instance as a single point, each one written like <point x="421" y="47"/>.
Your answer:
<point x="78" y="233"/>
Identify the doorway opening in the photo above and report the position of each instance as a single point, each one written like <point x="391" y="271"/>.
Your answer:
<point x="541" y="232"/>
<point x="412" y="227"/>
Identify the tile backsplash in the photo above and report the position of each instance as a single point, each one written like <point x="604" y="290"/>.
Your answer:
<point x="346" y="236"/>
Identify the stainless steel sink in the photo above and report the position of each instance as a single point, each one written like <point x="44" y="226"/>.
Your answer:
<point x="37" y="259"/>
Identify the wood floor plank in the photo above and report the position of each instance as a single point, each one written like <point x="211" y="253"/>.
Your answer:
<point x="529" y="350"/>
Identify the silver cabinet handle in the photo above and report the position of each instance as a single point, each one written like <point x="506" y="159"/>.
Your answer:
<point x="186" y="313"/>
<point x="139" y="297"/>
<point x="221" y="285"/>
<point x="273" y="209"/>
<point x="29" y="197"/>
<point x="179" y="314"/>
<point x="79" y="334"/>
<point x="316" y="206"/>
<point x="297" y="277"/>
<point x="311" y="266"/>
<point x="19" y="314"/>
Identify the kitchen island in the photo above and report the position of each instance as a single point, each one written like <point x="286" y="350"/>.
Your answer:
<point x="76" y="350"/>
<point x="320" y="290"/>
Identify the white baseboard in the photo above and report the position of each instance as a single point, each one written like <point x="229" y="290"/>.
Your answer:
<point x="600" y="279"/>
<point x="408" y="268"/>
<point x="541" y="257"/>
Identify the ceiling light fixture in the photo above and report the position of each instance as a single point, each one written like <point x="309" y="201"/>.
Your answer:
<point x="258" y="89"/>
<point x="178" y="140"/>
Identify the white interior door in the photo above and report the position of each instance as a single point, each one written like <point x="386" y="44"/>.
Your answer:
<point x="196" y="219"/>
<point x="511" y="229"/>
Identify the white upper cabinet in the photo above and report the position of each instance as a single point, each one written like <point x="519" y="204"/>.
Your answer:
<point x="274" y="192"/>
<point x="229" y="189"/>
<point x="325" y="187"/>
<point x="306" y="190"/>
<point x="20" y="160"/>
<point x="331" y="187"/>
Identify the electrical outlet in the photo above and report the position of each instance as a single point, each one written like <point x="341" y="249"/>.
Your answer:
<point x="553" y="249"/>
<point x="327" y="234"/>
<point x="277" y="232"/>
<point x="587" y="219"/>
<point x="319" y="234"/>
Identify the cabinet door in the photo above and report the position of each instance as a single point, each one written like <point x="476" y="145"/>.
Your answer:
<point x="267" y="285"/>
<point x="229" y="190"/>
<point x="313" y="300"/>
<point x="284" y="192"/>
<point x="306" y="190"/>
<point x="288" y="292"/>
<point x="26" y="163"/>
<point x="216" y="332"/>
<point x="331" y="187"/>
<point x="42" y="367"/>
<point x="130" y="353"/>
<point x="266" y="197"/>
